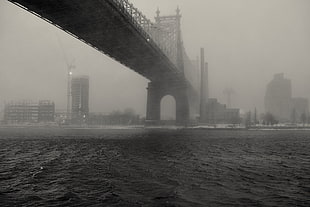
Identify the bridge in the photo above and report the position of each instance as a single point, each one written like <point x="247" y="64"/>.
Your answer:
<point x="116" y="28"/>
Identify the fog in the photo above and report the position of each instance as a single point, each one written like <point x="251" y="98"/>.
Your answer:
<point x="245" y="41"/>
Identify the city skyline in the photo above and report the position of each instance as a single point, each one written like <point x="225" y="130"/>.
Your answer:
<point x="154" y="103"/>
<point x="229" y="60"/>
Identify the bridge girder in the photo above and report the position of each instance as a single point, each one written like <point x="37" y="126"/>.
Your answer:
<point x="100" y="24"/>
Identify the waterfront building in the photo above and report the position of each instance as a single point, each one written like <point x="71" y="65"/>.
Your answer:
<point x="115" y="118"/>
<point x="1" y="115"/>
<point x="61" y="117"/>
<point x="80" y="99"/>
<point x="278" y="97"/>
<point x="211" y="111"/>
<point x="29" y="112"/>
<point x="217" y="113"/>
<point x="299" y="109"/>
<point x="46" y="111"/>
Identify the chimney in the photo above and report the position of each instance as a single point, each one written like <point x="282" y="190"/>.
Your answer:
<point x="203" y="98"/>
<point x="206" y="80"/>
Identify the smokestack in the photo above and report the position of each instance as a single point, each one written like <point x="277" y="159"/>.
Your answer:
<point x="202" y="86"/>
<point x="206" y="80"/>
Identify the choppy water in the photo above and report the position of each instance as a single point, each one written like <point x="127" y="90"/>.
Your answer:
<point x="159" y="168"/>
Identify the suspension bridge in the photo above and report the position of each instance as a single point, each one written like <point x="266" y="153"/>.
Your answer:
<point x="116" y="28"/>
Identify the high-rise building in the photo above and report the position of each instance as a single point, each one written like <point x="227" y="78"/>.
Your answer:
<point x="80" y="98"/>
<point x="278" y="97"/>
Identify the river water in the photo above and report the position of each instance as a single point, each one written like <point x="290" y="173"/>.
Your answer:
<point x="154" y="168"/>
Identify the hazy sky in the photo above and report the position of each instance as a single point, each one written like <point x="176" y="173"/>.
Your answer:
<point x="245" y="41"/>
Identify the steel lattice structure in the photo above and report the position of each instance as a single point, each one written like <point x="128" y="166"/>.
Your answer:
<point x="165" y="32"/>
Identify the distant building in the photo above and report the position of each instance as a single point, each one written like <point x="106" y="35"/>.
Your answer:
<point x="279" y="101"/>
<point x="29" y="112"/>
<point x="211" y="111"/>
<point x="61" y="117"/>
<point x="46" y="111"/>
<point x="217" y="113"/>
<point x="299" y="108"/>
<point x="80" y="98"/>
<point x="1" y="114"/>
<point x="278" y="97"/>
<point x="115" y="118"/>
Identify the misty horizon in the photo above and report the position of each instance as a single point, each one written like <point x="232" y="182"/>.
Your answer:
<point x="246" y="43"/>
<point x="79" y="128"/>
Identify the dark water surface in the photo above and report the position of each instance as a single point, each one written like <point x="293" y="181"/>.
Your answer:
<point x="154" y="168"/>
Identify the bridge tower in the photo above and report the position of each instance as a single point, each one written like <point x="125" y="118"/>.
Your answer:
<point x="170" y="35"/>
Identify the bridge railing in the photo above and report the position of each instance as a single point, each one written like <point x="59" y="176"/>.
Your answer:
<point x="150" y="31"/>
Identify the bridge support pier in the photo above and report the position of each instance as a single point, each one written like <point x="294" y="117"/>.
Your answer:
<point x="156" y="91"/>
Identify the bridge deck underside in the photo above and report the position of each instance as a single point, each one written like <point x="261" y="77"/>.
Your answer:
<point x="100" y="24"/>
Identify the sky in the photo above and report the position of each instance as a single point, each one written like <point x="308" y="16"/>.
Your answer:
<point x="246" y="42"/>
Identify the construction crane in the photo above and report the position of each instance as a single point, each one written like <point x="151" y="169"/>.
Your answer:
<point x="228" y="92"/>
<point x="70" y="67"/>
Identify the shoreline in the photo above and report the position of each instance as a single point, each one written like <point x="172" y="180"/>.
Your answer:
<point x="143" y="127"/>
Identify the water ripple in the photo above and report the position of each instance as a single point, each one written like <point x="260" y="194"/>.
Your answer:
<point x="166" y="168"/>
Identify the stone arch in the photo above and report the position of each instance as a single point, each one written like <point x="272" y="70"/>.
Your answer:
<point x="168" y="108"/>
<point x="156" y="91"/>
